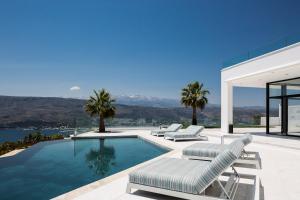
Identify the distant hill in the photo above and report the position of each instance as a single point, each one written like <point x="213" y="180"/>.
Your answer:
<point x="139" y="100"/>
<point x="53" y="112"/>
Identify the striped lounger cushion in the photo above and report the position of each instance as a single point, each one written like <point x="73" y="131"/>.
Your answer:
<point x="204" y="150"/>
<point x="158" y="132"/>
<point x="180" y="135"/>
<point x="188" y="176"/>
<point x="212" y="150"/>
<point x="172" y="128"/>
<point x="170" y="173"/>
<point x="218" y="166"/>
<point x="191" y="132"/>
<point x="246" y="139"/>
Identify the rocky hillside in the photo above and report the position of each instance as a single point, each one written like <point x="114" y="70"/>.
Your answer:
<point x="48" y="111"/>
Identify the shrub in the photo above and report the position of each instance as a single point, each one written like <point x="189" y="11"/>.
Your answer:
<point x="28" y="140"/>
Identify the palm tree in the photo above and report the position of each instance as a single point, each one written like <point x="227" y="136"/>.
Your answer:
<point x="101" y="104"/>
<point x="194" y="95"/>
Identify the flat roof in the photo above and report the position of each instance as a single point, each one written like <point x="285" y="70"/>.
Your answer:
<point x="277" y="65"/>
<point x="262" y="56"/>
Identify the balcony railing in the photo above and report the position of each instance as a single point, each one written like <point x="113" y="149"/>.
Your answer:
<point x="284" y="42"/>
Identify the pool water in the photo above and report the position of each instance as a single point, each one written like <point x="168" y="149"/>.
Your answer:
<point x="49" y="169"/>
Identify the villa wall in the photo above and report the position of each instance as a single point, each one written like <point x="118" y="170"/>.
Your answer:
<point x="282" y="59"/>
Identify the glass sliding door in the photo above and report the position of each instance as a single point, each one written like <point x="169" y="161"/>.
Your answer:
<point x="275" y="116"/>
<point x="294" y="116"/>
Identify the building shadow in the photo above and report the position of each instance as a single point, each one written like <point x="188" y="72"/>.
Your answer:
<point x="273" y="135"/>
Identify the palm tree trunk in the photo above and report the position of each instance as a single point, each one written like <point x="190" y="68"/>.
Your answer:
<point x="194" y="121"/>
<point x="101" y="145"/>
<point x="101" y="125"/>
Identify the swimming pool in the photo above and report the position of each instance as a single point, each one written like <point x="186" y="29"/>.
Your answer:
<point x="49" y="169"/>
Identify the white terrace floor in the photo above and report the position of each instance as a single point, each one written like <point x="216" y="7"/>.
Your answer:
<point x="279" y="176"/>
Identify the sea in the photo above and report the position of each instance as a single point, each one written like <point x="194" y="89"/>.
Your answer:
<point x="13" y="135"/>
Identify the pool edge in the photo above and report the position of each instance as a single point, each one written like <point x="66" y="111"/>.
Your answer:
<point x="91" y="186"/>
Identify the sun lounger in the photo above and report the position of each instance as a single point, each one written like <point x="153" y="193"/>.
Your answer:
<point x="171" y="128"/>
<point x="188" y="179"/>
<point x="208" y="151"/>
<point x="190" y="133"/>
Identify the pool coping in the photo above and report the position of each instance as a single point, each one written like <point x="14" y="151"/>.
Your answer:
<point x="125" y="136"/>
<point x="91" y="186"/>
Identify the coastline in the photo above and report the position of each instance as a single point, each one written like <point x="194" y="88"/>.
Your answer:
<point x="12" y="153"/>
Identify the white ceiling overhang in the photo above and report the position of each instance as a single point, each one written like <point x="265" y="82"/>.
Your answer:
<point x="278" y="65"/>
<point x="259" y="80"/>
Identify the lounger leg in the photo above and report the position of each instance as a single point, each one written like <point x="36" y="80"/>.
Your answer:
<point x="224" y="193"/>
<point x="214" y="184"/>
<point x="128" y="188"/>
<point x="257" y="165"/>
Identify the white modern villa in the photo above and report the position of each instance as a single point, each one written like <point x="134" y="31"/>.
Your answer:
<point x="277" y="71"/>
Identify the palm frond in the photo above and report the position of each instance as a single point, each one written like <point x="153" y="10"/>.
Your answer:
<point x="100" y="104"/>
<point x="194" y="95"/>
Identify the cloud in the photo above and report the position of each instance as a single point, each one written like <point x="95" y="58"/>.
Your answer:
<point x="75" y="88"/>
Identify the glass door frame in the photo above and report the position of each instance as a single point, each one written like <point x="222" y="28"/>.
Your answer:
<point x="284" y="99"/>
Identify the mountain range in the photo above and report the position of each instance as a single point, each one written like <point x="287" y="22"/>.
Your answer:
<point x="139" y="100"/>
<point x="53" y="112"/>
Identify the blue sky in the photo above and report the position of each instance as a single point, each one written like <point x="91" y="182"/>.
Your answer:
<point x="145" y="47"/>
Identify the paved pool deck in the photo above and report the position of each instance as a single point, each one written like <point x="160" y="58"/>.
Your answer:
<point x="279" y="177"/>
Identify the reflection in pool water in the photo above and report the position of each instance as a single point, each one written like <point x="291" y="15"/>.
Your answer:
<point x="102" y="159"/>
<point x="49" y="169"/>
